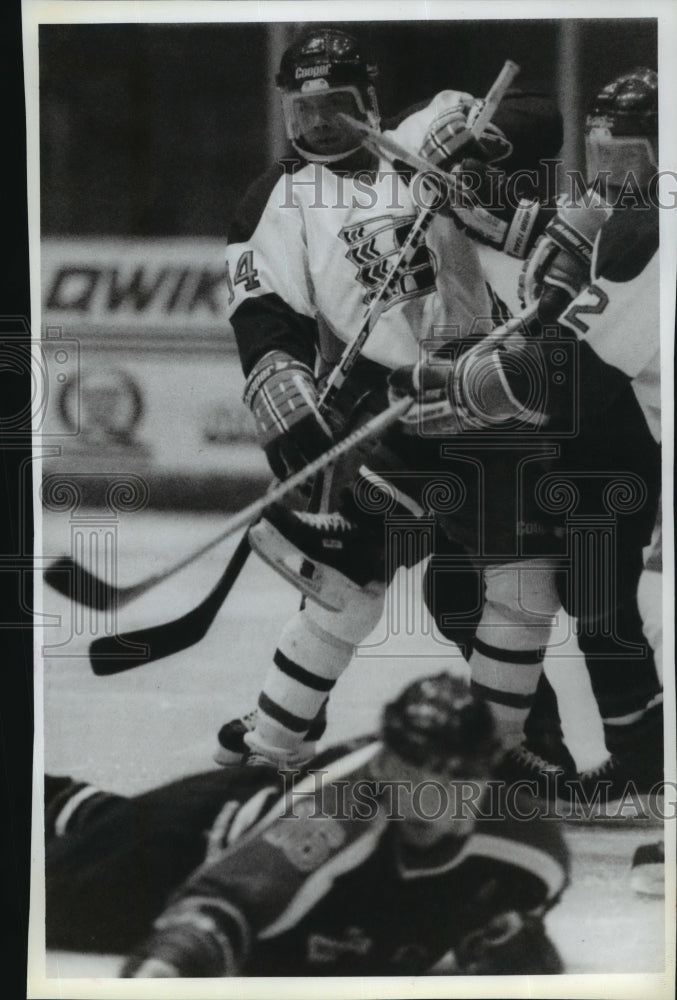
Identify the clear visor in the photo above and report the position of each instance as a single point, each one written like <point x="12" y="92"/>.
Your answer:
<point x="317" y="110"/>
<point x="618" y="157"/>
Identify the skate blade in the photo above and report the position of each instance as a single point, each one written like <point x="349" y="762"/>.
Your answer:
<point x="326" y="586"/>
<point x="649" y="880"/>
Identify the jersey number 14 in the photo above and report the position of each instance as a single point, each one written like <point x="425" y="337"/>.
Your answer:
<point x="245" y="272"/>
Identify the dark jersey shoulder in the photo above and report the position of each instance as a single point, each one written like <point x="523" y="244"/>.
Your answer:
<point x="340" y="750"/>
<point x="532" y="122"/>
<point x="627" y="242"/>
<point x="516" y="827"/>
<point x="256" y="197"/>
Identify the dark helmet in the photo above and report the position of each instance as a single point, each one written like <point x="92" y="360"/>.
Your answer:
<point x="629" y="104"/>
<point x="621" y="130"/>
<point x="324" y="61"/>
<point x="438" y="723"/>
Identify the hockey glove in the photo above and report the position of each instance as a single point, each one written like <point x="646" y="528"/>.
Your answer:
<point x="439" y="145"/>
<point x="493" y="219"/>
<point x="467" y="392"/>
<point x="509" y="944"/>
<point x="281" y="393"/>
<point x="559" y="265"/>
<point x="188" y="942"/>
<point x="429" y="385"/>
<point x="469" y="162"/>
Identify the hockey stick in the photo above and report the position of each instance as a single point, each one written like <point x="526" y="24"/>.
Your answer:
<point x="95" y="593"/>
<point x="74" y="581"/>
<point x="384" y="144"/>
<point x="117" y="653"/>
<point x="159" y="641"/>
<point x="114" y="654"/>
<point x="417" y="232"/>
<point x="69" y="578"/>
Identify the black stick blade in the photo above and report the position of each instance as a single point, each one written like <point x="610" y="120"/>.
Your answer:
<point x="113" y="654"/>
<point x="73" y="581"/>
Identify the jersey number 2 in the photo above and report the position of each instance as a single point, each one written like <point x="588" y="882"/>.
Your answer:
<point x="600" y="300"/>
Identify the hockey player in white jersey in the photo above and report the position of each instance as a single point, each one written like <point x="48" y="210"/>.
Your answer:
<point x="311" y="245"/>
<point x="614" y="313"/>
<point x="620" y="289"/>
<point x="596" y="274"/>
<point x="612" y="310"/>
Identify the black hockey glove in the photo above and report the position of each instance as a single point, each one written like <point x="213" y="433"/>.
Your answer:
<point x="559" y="265"/>
<point x="457" y="392"/>
<point x="188" y="942"/>
<point x="510" y="944"/>
<point x="281" y="393"/>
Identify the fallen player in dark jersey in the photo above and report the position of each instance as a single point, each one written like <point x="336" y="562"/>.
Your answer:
<point x="390" y="853"/>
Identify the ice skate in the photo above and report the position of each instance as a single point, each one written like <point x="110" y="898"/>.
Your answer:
<point x="547" y="779"/>
<point x="647" y="876"/>
<point x="233" y="750"/>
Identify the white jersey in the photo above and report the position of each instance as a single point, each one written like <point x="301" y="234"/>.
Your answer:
<point x="317" y="247"/>
<point x="617" y="315"/>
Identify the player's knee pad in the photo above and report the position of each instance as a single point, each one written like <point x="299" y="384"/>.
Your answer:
<point x="523" y="590"/>
<point x="354" y="623"/>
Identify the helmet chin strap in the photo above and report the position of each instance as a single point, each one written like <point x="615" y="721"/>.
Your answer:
<point x="307" y="154"/>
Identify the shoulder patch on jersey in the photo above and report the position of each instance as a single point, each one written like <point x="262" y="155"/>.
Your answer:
<point x="626" y="244"/>
<point x="256" y="197"/>
<point x="306" y="839"/>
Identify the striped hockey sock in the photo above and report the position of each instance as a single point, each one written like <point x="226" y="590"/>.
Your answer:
<point x="315" y="648"/>
<point x="507" y="679"/>
<point x="513" y="633"/>
<point x="306" y="665"/>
